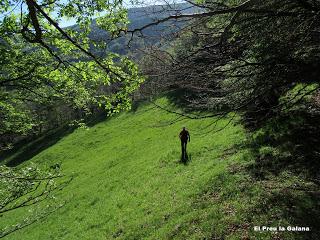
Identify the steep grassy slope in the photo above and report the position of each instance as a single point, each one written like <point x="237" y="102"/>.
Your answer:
<point x="129" y="183"/>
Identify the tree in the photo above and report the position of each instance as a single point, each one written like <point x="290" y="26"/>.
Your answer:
<point x="245" y="55"/>
<point x="26" y="187"/>
<point x="43" y="62"/>
<point x="259" y="59"/>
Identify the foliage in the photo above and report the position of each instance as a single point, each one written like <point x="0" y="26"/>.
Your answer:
<point x="246" y="55"/>
<point x="44" y="69"/>
<point x="43" y="63"/>
<point x="259" y="59"/>
<point x="25" y="187"/>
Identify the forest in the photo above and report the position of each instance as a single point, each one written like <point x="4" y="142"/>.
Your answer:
<point x="93" y="95"/>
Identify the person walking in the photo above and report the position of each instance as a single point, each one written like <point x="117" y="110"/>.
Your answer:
<point x="184" y="138"/>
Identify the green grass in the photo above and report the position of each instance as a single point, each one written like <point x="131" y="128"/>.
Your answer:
<point x="129" y="183"/>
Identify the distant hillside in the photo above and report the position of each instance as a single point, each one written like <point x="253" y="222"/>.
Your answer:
<point x="139" y="17"/>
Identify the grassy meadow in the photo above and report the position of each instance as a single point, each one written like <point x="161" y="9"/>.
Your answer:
<point x="128" y="183"/>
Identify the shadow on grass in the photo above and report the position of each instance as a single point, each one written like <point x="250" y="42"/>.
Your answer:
<point x="186" y="160"/>
<point x="29" y="147"/>
<point x="300" y="207"/>
<point x="138" y="104"/>
<point x="26" y="149"/>
<point x="288" y="143"/>
<point x="96" y="118"/>
<point x="287" y="157"/>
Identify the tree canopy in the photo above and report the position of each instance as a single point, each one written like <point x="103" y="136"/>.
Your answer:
<point x="257" y="59"/>
<point x="246" y="55"/>
<point x="42" y="63"/>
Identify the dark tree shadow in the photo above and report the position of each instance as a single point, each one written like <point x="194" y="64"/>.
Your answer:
<point x="299" y="208"/>
<point x="28" y="148"/>
<point x="296" y="138"/>
<point x="290" y="143"/>
<point x="138" y="104"/>
<point x="33" y="145"/>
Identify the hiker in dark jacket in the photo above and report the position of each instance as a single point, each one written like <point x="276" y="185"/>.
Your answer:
<point x="184" y="137"/>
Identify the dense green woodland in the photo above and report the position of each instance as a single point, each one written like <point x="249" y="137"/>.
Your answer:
<point x="90" y="116"/>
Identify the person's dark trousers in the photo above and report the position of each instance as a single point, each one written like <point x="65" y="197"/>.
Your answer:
<point x="184" y="150"/>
